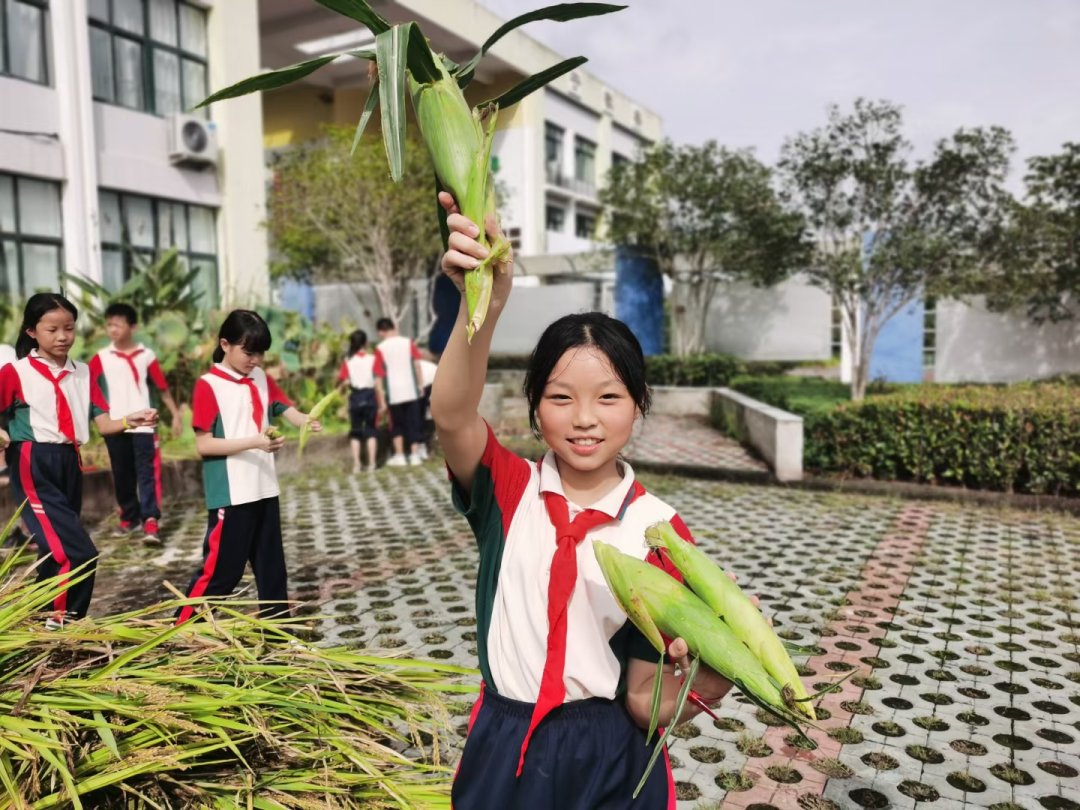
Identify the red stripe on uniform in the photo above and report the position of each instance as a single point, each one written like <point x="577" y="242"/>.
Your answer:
<point x="214" y="541"/>
<point x="52" y="539"/>
<point x="670" y="781"/>
<point x="157" y="469"/>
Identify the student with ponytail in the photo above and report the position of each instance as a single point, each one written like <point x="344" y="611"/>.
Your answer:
<point x="48" y="400"/>
<point x="231" y="410"/>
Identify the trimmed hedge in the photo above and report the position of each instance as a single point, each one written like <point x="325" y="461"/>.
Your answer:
<point x="697" y="370"/>
<point x="1020" y="438"/>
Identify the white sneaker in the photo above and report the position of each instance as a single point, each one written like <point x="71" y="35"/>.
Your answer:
<point x="422" y="453"/>
<point x="369" y="468"/>
<point x="396" y="460"/>
<point x="53" y="624"/>
<point x="414" y="461"/>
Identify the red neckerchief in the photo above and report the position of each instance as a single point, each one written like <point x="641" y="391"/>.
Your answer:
<point x="256" y="400"/>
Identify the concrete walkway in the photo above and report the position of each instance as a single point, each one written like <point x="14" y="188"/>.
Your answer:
<point x="962" y="625"/>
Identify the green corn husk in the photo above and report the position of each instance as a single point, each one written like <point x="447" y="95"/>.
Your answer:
<point x="134" y="712"/>
<point x="458" y="137"/>
<point x="316" y="413"/>
<point x="727" y="600"/>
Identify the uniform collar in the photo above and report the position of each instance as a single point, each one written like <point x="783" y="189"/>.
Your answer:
<point x="69" y="365"/>
<point x="232" y="374"/>
<point x="611" y="504"/>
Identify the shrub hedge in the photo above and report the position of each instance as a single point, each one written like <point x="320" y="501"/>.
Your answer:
<point x="667" y="369"/>
<point x="1018" y="438"/>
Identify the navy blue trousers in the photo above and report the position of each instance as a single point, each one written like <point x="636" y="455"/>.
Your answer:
<point x="585" y="755"/>
<point x="362" y="412"/>
<point x="235" y="536"/>
<point x="48" y="476"/>
<point x="136" y="475"/>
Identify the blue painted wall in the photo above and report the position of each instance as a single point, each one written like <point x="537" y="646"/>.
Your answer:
<point x="639" y="298"/>
<point x="898" y="353"/>
<point x="298" y="296"/>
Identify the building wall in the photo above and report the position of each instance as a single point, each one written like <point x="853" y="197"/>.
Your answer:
<point x="791" y="321"/>
<point x="976" y="345"/>
<point x="90" y="146"/>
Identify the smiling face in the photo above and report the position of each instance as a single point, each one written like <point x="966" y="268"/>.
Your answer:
<point x="239" y="359"/>
<point x="586" y="415"/>
<point x="55" y="335"/>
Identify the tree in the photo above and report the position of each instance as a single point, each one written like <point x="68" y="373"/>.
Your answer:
<point x="336" y="216"/>
<point x="887" y="231"/>
<point x="1039" y="259"/>
<point x="706" y="215"/>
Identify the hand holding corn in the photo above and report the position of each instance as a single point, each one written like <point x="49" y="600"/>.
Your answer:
<point x="466" y="254"/>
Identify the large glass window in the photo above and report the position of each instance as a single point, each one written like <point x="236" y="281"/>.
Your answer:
<point x="132" y="226"/>
<point x="585" y="226"/>
<point x="148" y="54"/>
<point x="553" y="149"/>
<point x="30" y="236"/>
<point x="584" y="161"/>
<point x="23" y="52"/>
<point x="555" y="218"/>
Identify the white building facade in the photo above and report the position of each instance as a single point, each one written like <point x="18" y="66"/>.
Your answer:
<point x="102" y="156"/>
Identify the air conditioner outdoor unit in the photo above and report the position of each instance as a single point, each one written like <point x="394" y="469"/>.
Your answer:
<point x="192" y="141"/>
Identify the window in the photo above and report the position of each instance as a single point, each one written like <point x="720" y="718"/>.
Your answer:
<point x="929" y="333"/>
<point x="30" y="236"/>
<point x="554" y="218"/>
<point x="553" y="150"/>
<point x="148" y="54"/>
<point x="145" y="226"/>
<point x="619" y="160"/>
<point x="22" y="40"/>
<point x="584" y="226"/>
<point x="585" y="161"/>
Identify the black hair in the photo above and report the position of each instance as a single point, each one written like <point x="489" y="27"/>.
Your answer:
<point x="384" y="325"/>
<point x="357" y="341"/>
<point x="122" y="310"/>
<point x="37" y="307"/>
<point x="243" y="328"/>
<point x="609" y="335"/>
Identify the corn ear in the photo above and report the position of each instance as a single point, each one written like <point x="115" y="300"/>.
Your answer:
<point x="727" y="600"/>
<point x="315" y="413"/>
<point x="660" y="605"/>
<point x="459" y="141"/>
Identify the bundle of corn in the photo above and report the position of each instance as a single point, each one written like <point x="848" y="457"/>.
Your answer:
<point x="458" y="137"/>
<point x="719" y="624"/>
<point x="131" y="711"/>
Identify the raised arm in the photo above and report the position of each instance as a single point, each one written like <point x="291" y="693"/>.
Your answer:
<point x="455" y="395"/>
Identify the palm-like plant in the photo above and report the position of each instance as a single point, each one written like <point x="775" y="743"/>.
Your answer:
<point x="458" y="137"/>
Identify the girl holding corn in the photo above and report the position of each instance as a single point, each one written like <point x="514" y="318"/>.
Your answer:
<point x="567" y="679"/>
<point x="232" y="405"/>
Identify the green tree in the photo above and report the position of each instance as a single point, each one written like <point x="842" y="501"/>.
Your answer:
<point x="706" y="215"/>
<point x="1039" y="259"/>
<point x="887" y="230"/>
<point x="338" y="217"/>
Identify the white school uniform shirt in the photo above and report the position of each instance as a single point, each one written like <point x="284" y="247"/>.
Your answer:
<point x="28" y="400"/>
<point x="517" y="542"/>
<point x="394" y="362"/>
<point x="222" y="406"/>
<point x="7" y="354"/>
<point x="125" y="377"/>
<point x="359" y="370"/>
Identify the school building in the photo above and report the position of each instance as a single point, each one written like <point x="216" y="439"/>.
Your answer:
<point x="102" y="157"/>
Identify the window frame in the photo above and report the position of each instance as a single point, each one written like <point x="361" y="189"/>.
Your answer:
<point x="43" y="34"/>
<point x="19" y="238"/>
<point x="584" y="146"/>
<point x="128" y="249"/>
<point x="149" y="46"/>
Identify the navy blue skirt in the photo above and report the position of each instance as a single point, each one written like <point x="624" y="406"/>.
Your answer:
<point x="585" y="755"/>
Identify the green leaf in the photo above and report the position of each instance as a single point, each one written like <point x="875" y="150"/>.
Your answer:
<point x="391" y="49"/>
<point x="421" y="61"/>
<point x="275" y="78"/>
<point x="536" y="81"/>
<point x="358" y="10"/>
<point x="562" y="12"/>
<point x="365" y="116"/>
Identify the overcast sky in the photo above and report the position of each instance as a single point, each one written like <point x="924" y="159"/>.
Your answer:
<point x="752" y="72"/>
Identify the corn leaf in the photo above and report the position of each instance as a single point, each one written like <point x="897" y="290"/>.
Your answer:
<point x="359" y="10"/>
<point x="563" y="12"/>
<point x="536" y="81"/>
<point x="391" y="52"/>
<point x="278" y="78"/>
<point x="365" y="116"/>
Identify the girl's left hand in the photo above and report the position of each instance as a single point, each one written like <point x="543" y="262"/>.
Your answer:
<point x="5" y="439"/>
<point x="314" y="425"/>
<point x="144" y="418"/>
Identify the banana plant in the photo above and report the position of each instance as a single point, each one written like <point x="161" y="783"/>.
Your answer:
<point x="459" y="138"/>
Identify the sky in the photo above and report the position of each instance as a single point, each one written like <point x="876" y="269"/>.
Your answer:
<point x="751" y="73"/>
